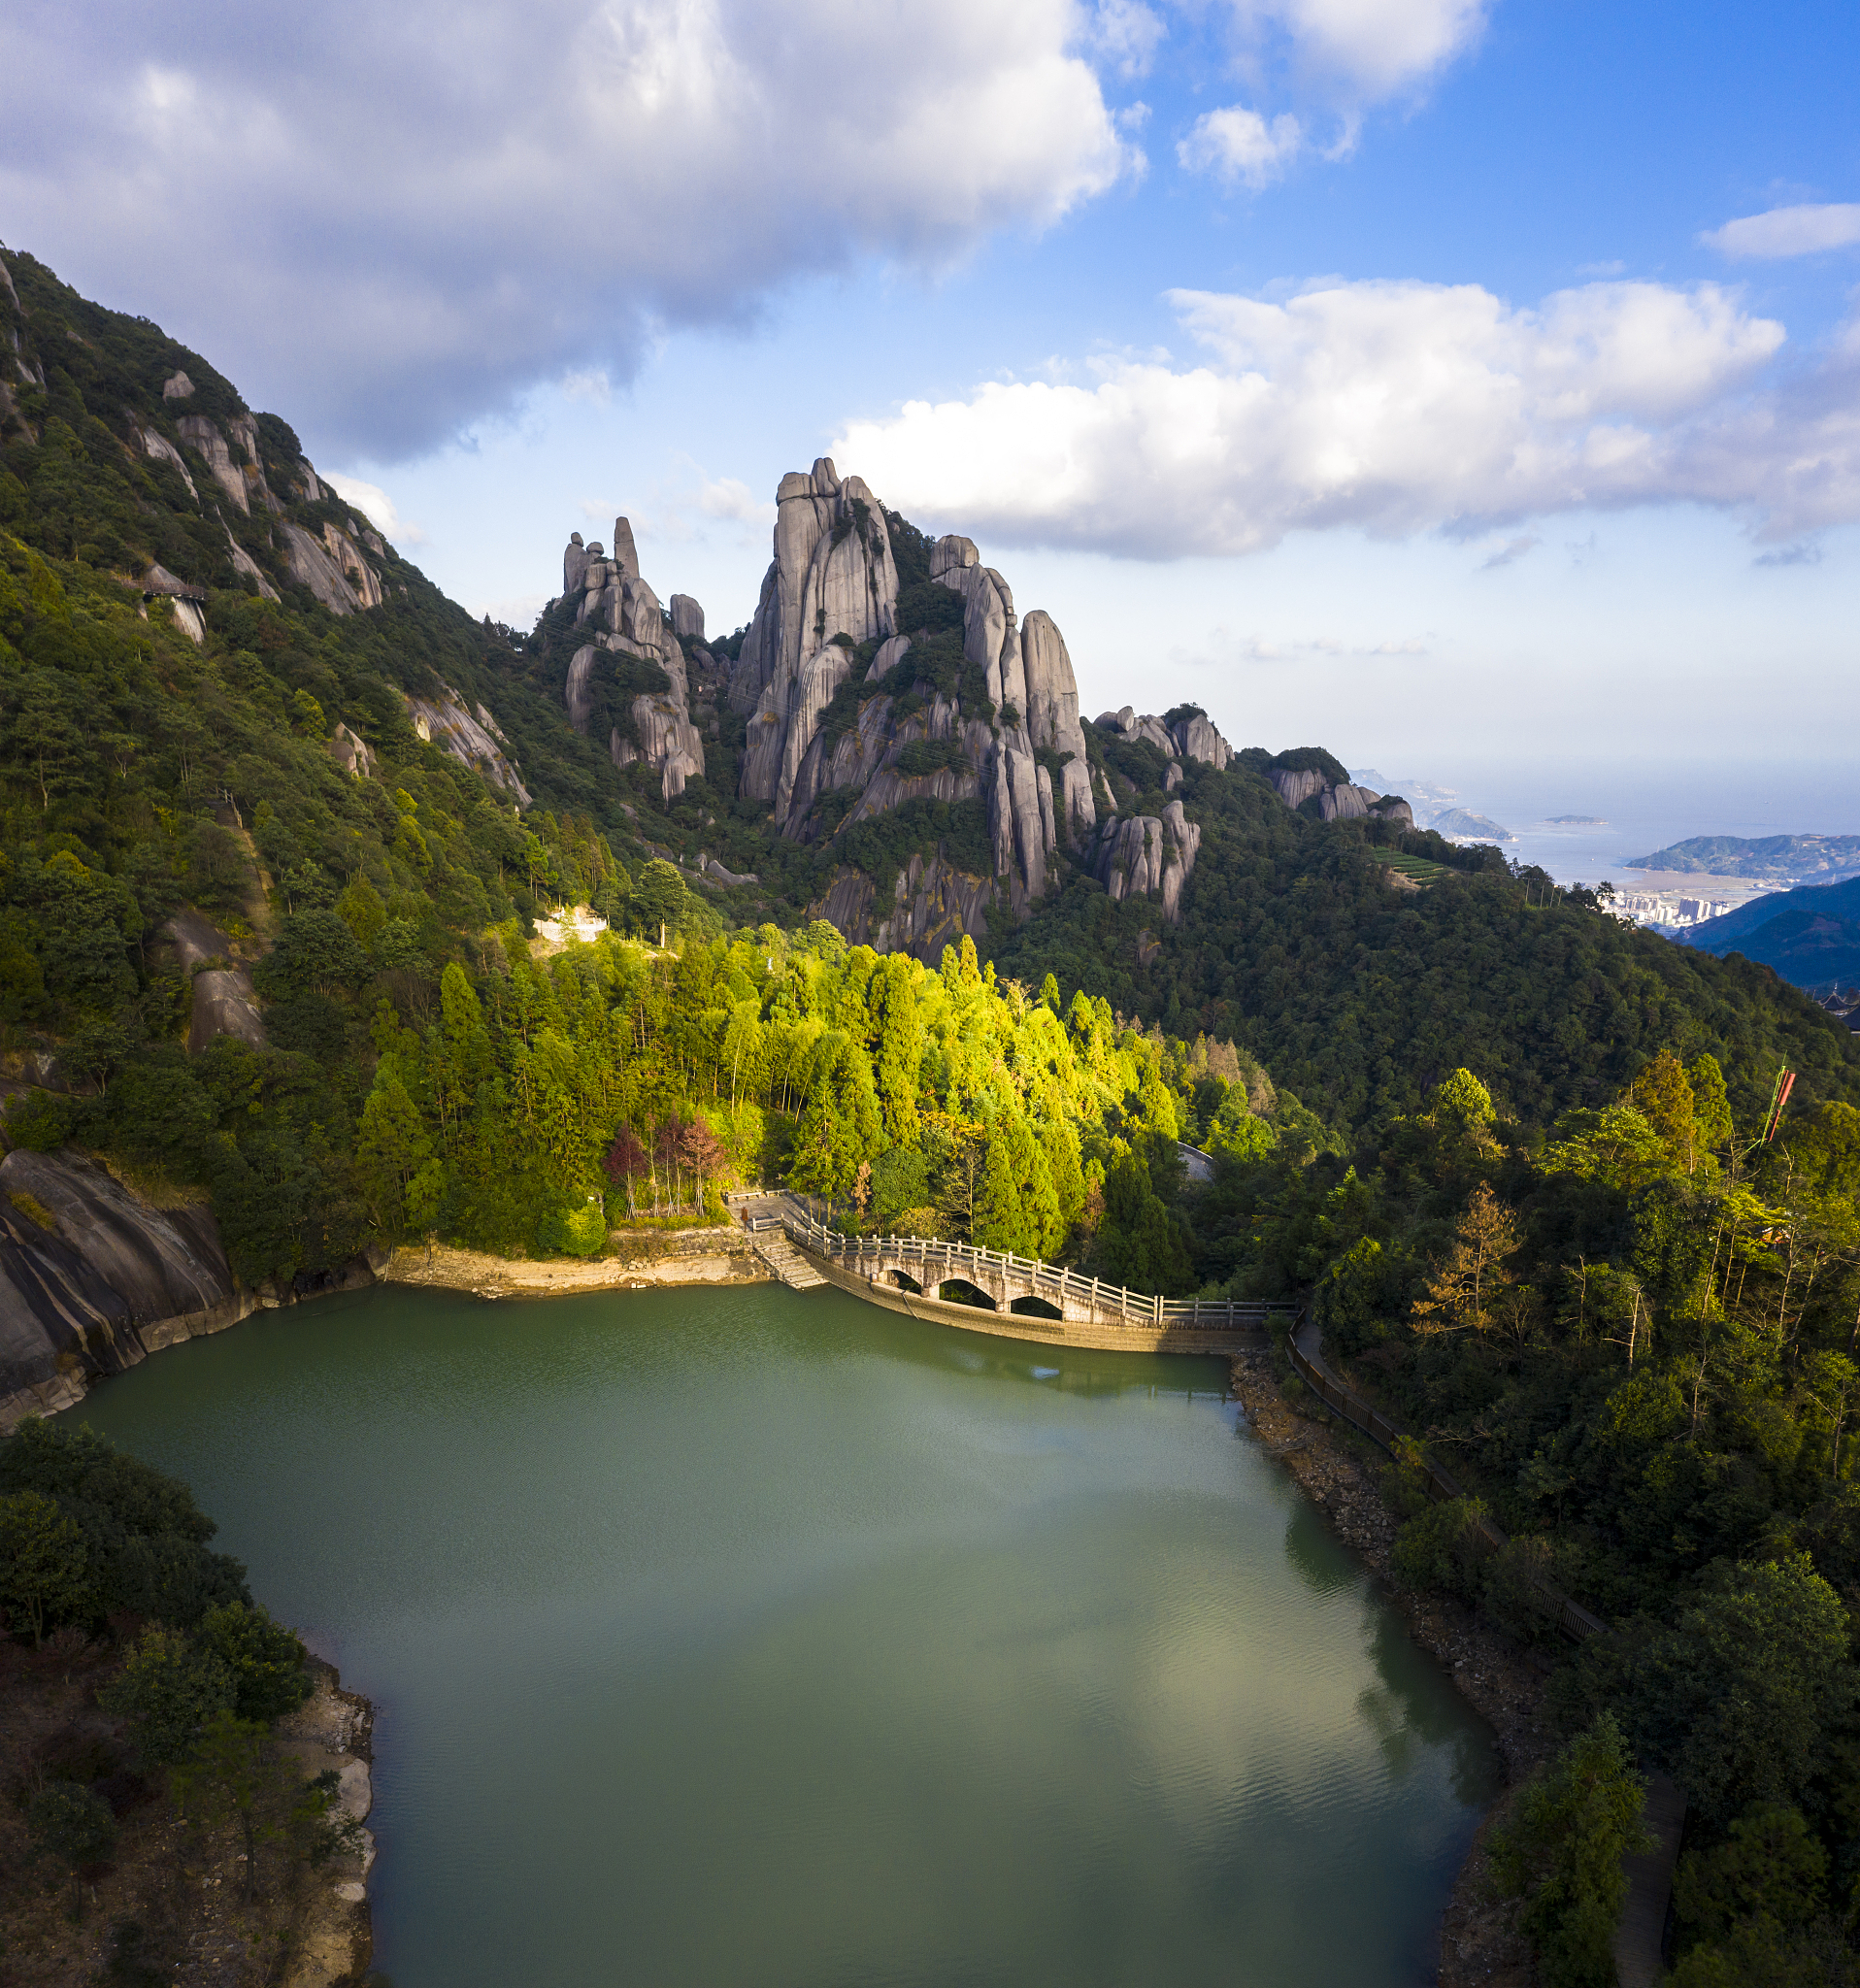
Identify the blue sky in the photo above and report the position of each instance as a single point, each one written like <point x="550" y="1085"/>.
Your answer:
<point x="1377" y="372"/>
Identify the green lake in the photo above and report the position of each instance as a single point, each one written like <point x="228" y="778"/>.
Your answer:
<point x="740" y="1639"/>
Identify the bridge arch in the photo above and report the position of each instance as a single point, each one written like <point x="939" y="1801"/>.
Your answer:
<point x="960" y="1291"/>
<point x="903" y="1280"/>
<point x="1031" y="1307"/>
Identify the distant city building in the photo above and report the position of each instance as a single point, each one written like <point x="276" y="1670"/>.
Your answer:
<point x="1670" y="908"/>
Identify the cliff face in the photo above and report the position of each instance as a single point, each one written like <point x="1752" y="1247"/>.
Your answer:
<point x="110" y="1280"/>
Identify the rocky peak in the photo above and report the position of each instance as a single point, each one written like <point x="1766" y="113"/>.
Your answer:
<point x="177" y="386"/>
<point x="635" y="651"/>
<point x="687" y="618"/>
<point x="625" y="555"/>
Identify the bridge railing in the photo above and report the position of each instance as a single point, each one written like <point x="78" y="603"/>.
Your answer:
<point x="1108" y="1303"/>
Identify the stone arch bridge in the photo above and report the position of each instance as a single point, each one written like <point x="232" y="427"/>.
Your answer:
<point x="992" y="1290"/>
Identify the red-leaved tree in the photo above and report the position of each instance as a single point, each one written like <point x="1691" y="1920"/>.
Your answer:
<point x="626" y="1161"/>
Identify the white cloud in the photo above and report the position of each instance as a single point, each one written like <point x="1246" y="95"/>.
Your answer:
<point x="1126" y="34"/>
<point x="1363" y="50"/>
<point x="1239" y="145"/>
<point x="377" y="506"/>
<point x="405" y="219"/>
<point x="1788" y="231"/>
<point x="726" y="497"/>
<point x="1337" y="56"/>
<point x="1389" y="408"/>
<point x="518" y="611"/>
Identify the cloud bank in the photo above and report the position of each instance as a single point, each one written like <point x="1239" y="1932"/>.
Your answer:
<point x="1390" y="408"/>
<point x="412" y="214"/>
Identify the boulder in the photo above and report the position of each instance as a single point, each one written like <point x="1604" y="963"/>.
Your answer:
<point x="177" y="386"/>
<point x="224" y="1004"/>
<point x="687" y="618"/>
<point x="1346" y="803"/>
<point x="351" y="753"/>
<point x="1197" y="738"/>
<point x="949" y="553"/>
<point x="574" y="564"/>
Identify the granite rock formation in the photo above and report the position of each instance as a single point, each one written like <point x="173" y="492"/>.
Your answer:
<point x="353" y="754"/>
<point x="828" y="614"/>
<point x="1145" y="856"/>
<point x="332" y="566"/>
<point x="1192" y="738"/>
<point x="623" y="618"/>
<point x="224" y="1002"/>
<point x="1338" y="800"/>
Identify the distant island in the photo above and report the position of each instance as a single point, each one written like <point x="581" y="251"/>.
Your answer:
<point x="1462" y="824"/>
<point x="1771" y="859"/>
<point x="1577" y="821"/>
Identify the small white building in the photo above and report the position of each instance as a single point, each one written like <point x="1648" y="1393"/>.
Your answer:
<point x="577" y="923"/>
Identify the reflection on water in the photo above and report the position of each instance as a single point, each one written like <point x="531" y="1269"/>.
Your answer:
<point x="737" y="1636"/>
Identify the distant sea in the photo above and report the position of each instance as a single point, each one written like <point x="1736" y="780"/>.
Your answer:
<point x="1644" y="809"/>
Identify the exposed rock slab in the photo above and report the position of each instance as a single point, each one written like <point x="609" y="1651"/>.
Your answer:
<point x="113" y="1280"/>
<point x="332" y="566"/>
<point x="473" y="741"/>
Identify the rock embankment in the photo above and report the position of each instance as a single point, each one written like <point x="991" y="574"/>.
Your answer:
<point x="94" y="1277"/>
<point x="333" y="1733"/>
<point x="640" y="1259"/>
<point x="1480" y="1941"/>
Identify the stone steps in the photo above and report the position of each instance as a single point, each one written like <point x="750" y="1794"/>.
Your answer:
<point x="787" y="1263"/>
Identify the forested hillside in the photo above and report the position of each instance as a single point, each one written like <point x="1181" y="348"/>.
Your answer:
<point x="280" y="826"/>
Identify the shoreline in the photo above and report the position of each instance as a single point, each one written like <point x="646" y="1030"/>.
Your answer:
<point x="1478" y="1941"/>
<point x="720" y="1254"/>
<point x="334" y="1731"/>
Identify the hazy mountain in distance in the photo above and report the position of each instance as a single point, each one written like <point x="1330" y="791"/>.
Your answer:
<point x="1427" y="798"/>
<point x="1770" y="859"/>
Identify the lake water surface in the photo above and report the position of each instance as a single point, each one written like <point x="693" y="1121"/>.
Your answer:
<point x="749" y="1640"/>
